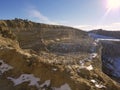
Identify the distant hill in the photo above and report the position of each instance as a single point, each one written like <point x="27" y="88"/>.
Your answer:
<point x="115" y="34"/>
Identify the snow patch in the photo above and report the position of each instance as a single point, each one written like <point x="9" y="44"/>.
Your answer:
<point x="93" y="55"/>
<point x="4" y="67"/>
<point x="100" y="39"/>
<point x="93" y="81"/>
<point x="25" y="78"/>
<point x="97" y="84"/>
<point x="46" y="84"/>
<point x="95" y="43"/>
<point x="99" y="36"/>
<point x="63" y="87"/>
<point x="33" y="81"/>
<point x="100" y="86"/>
<point x="89" y="67"/>
<point x="81" y="63"/>
<point x="54" y="69"/>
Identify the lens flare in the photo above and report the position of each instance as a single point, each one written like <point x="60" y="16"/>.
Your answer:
<point x="113" y="4"/>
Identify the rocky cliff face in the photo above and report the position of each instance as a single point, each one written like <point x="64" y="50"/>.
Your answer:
<point x="111" y="59"/>
<point x="36" y="34"/>
<point x="60" y="58"/>
<point x="110" y="52"/>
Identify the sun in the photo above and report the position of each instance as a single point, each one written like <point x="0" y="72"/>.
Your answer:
<point x="113" y="4"/>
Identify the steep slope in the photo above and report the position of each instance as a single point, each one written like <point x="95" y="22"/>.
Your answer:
<point x="110" y="55"/>
<point x="37" y="34"/>
<point x="111" y="59"/>
<point x="71" y="69"/>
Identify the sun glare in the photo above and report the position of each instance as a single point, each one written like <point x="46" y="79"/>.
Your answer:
<point x="113" y="4"/>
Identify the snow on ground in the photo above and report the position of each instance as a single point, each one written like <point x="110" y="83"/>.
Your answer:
<point x="99" y="36"/>
<point x="93" y="81"/>
<point x="82" y="62"/>
<point x="95" y="43"/>
<point x="4" y="67"/>
<point x="97" y="84"/>
<point x="33" y="81"/>
<point x="54" y="69"/>
<point x="25" y="78"/>
<point x="63" y="87"/>
<point x="102" y="39"/>
<point x="46" y="83"/>
<point x="90" y="67"/>
<point x="93" y="55"/>
<point x="100" y="86"/>
<point x="96" y="40"/>
<point x="88" y="59"/>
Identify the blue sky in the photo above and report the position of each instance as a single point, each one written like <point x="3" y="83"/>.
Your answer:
<point x="84" y="14"/>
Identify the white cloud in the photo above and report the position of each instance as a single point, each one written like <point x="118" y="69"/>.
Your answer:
<point x="112" y="27"/>
<point x="84" y="27"/>
<point x="36" y="14"/>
